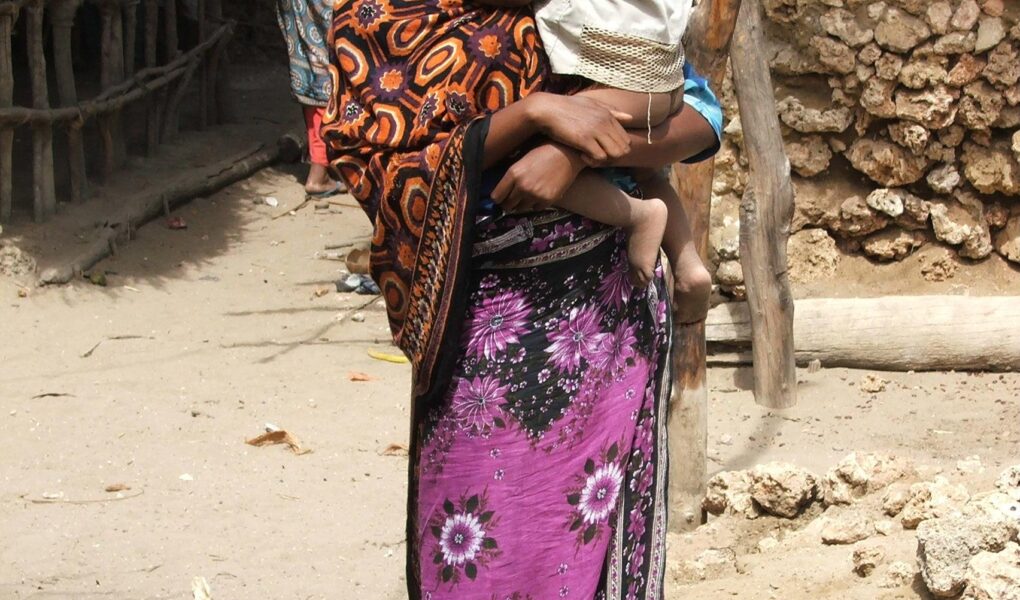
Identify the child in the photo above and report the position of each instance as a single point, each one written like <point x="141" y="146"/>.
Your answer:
<point x="631" y="51"/>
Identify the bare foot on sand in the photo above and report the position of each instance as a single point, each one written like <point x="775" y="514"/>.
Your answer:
<point x="644" y="237"/>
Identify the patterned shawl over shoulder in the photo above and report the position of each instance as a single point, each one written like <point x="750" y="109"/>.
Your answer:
<point x="413" y="80"/>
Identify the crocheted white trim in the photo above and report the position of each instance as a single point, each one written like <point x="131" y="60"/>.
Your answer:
<point x="629" y="62"/>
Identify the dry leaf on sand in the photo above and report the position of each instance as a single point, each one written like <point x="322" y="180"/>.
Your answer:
<point x="395" y="450"/>
<point x="278" y="437"/>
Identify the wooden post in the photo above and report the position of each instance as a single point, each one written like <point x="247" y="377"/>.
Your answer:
<point x="62" y="14"/>
<point x="151" y="103"/>
<point x="8" y="15"/>
<point x="171" y="115"/>
<point x="203" y="69"/>
<point x="707" y="49"/>
<point x="130" y="16"/>
<point x="171" y="43"/>
<point x="219" y="69"/>
<point x="765" y="214"/>
<point x="43" y="192"/>
<point x="111" y="73"/>
<point x="171" y="47"/>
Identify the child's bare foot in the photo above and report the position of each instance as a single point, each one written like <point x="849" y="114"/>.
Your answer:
<point x="644" y="237"/>
<point x="692" y="284"/>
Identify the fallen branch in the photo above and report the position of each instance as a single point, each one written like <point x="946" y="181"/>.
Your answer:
<point x="118" y="228"/>
<point x="90" y="501"/>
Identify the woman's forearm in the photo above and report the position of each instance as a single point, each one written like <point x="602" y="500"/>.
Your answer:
<point x="509" y="128"/>
<point x="683" y="135"/>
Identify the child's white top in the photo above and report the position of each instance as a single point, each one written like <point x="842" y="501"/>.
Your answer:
<point x="626" y="44"/>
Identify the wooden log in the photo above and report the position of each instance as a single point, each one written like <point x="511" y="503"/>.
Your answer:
<point x="130" y="16"/>
<point x="62" y="15"/>
<point x="152" y="205"/>
<point x="8" y="14"/>
<point x="43" y="192"/>
<point x="893" y="333"/>
<point x="111" y="74"/>
<point x="707" y="48"/>
<point x="151" y="104"/>
<point x="765" y="214"/>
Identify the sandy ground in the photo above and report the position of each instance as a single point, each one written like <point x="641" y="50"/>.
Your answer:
<point x="205" y="335"/>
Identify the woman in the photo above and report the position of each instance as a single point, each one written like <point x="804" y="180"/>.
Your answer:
<point x="537" y="467"/>
<point x="305" y="25"/>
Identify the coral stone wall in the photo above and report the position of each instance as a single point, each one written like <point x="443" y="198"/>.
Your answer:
<point x="901" y="124"/>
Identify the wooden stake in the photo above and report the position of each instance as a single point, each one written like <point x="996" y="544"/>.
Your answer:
<point x="111" y="73"/>
<point x="709" y="38"/>
<point x="130" y="16"/>
<point x="219" y="70"/>
<point x="171" y="118"/>
<point x="765" y="214"/>
<point x="62" y="14"/>
<point x="171" y="45"/>
<point x="44" y="194"/>
<point x="151" y="105"/>
<point x="171" y="123"/>
<point x="203" y="70"/>
<point x="8" y="14"/>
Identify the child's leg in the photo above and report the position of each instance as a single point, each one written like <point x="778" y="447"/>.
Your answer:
<point x="691" y="280"/>
<point x="594" y="197"/>
<point x="645" y="109"/>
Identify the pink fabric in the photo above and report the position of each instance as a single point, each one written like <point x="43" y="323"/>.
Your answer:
<point x="316" y="147"/>
<point x="542" y="473"/>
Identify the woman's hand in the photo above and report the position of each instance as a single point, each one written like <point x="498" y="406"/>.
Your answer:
<point x="539" y="179"/>
<point x="591" y="127"/>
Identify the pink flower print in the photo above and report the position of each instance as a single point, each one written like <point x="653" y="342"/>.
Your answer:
<point x="637" y="523"/>
<point x="574" y="338"/>
<point x="461" y="538"/>
<point x="618" y="348"/>
<point x="476" y="401"/>
<point x="497" y="323"/>
<point x="602" y="488"/>
<point x="616" y="288"/>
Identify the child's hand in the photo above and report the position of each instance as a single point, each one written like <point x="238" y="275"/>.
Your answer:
<point x="538" y="179"/>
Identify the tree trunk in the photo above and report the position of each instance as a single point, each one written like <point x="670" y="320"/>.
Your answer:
<point x="765" y="213"/>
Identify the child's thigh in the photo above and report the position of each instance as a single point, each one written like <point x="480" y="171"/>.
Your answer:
<point x="639" y="105"/>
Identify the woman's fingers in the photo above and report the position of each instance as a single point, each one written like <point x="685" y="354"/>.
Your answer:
<point x="502" y="190"/>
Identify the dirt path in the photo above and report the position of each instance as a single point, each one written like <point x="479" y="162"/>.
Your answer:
<point x="222" y="331"/>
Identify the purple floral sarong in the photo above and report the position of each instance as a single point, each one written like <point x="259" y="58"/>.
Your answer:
<point x="541" y="473"/>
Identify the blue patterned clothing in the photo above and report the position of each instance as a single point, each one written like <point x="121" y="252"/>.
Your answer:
<point x="305" y="24"/>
